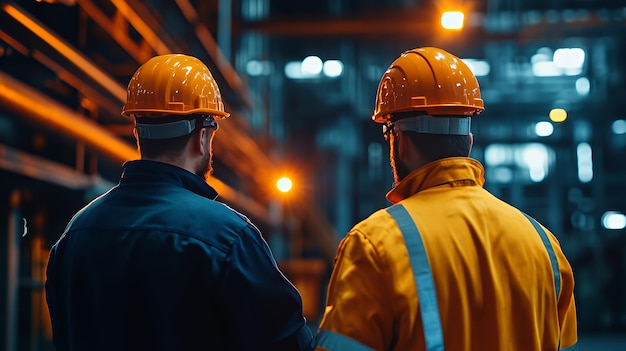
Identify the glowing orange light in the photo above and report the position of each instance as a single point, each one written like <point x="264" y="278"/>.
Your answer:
<point x="68" y="51"/>
<point x="452" y="20"/>
<point x="558" y="115"/>
<point x="284" y="184"/>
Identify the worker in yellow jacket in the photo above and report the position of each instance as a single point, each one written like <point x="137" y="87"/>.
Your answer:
<point x="448" y="266"/>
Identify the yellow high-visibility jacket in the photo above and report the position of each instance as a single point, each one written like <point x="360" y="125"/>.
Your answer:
<point x="449" y="267"/>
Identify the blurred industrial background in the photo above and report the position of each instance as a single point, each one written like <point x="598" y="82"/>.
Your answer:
<point x="299" y="78"/>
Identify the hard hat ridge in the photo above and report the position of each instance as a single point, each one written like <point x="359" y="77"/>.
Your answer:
<point x="173" y="84"/>
<point x="428" y="81"/>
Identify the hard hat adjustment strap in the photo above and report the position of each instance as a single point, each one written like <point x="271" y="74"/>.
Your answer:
<point x="165" y="130"/>
<point x="435" y="125"/>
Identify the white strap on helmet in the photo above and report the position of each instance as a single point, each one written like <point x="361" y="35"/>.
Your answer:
<point x="434" y="125"/>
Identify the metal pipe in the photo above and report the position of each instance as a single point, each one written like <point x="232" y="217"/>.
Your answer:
<point x="117" y="30"/>
<point x="214" y="51"/>
<point x="42" y="109"/>
<point x="146" y="31"/>
<point x="34" y="167"/>
<point x="67" y="51"/>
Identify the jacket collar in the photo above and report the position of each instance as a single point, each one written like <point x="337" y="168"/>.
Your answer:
<point x="453" y="171"/>
<point x="146" y="171"/>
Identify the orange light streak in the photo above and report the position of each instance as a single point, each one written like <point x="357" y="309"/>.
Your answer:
<point x="140" y="25"/>
<point x="57" y="116"/>
<point x="68" y="52"/>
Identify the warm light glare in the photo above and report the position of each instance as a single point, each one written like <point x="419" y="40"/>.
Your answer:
<point x="151" y="37"/>
<point x="452" y="20"/>
<point x="284" y="184"/>
<point x="54" y="115"/>
<point x="558" y="115"/>
<point x="68" y="52"/>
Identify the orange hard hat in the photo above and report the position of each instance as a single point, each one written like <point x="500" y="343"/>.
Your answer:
<point x="428" y="81"/>
<point x="173" y="84"/>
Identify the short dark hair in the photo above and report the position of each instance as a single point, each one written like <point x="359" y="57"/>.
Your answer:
<point x="155" y="148"/>
<point x="437" y="146"/>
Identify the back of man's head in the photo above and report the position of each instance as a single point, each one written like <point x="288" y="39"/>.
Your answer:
<point x="169" y="97"/>
<point x="430" y="95"/>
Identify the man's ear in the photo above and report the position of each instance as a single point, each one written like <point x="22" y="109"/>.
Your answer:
<point x="200" y="142"/>
<point x="136" y="138"/>
<point x="471" y="142"/>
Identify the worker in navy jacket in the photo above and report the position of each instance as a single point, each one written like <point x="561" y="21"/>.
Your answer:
<point x="156" y="263"/>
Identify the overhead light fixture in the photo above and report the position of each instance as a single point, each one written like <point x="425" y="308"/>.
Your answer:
<point x="544" y="129"/>
<point x="583" y="86"/>
<point x="452" y="20"/>
<point x="332" y="68"/>
<point x="571" y="60"/>
<point x="613" y="220"/>
<point x="585" y="162"/>
<point x="312" y="66"/>
<point x="258" y="68"/>
<point x="480" y="68"/>
<point x="558" y="115"/>
<point x="619" y="126"/>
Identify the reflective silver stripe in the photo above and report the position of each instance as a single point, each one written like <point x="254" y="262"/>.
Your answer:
<point x="334" y="341"/>
<point x="435" y="125"/>
<point x="423" y="277"/>
<point x="553" y="260"/>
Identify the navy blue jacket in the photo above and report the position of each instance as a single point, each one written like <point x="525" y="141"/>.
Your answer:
<point x="157" y="264"/>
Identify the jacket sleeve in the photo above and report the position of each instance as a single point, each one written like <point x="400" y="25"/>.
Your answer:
<point x="358" y="315"/>
<point x="253" y="286"/>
